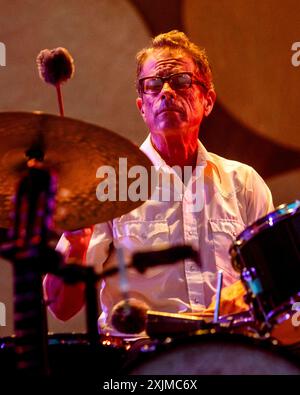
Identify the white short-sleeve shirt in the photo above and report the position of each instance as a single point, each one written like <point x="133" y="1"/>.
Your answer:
<point x="230" y="196"/>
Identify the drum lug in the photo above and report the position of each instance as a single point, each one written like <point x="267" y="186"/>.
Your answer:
<point x="250" y="278"/>
<point x="254" y="297"/>
<point x="236" y="259"/>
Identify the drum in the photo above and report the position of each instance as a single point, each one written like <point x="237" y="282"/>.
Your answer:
<point x="71" y="355"/>
<point x="267" y="255"/>
<point x="212" y="354"/>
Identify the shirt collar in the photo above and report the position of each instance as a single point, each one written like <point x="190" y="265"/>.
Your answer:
<point x="203" y="157"/>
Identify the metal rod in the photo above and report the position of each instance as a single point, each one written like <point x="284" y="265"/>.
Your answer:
<point x="218" y="296"/>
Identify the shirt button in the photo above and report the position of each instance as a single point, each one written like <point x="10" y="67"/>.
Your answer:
<point x="190" y="232"/>
<point x="192" y="268"/>
<point x="196" y="300"/>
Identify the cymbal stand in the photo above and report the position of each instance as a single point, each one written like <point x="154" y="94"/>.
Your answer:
<point x="31" y="257"/>
<point x="218" y="296"/>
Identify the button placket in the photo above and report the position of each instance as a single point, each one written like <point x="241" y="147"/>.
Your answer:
<point x="195" y="285"/>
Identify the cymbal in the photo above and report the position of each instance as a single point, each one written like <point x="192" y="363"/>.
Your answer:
<point x="74" y="150"/>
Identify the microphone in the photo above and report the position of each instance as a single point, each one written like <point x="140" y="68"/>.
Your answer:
<point x="129" y="316"/>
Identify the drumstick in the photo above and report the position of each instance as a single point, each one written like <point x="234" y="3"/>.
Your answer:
<point x="218" y="296"/>
<point x="60" y="100"/>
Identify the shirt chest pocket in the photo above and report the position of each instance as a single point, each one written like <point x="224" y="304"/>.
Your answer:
<point x="139" y="235"/>
<point x="223" y="234"/>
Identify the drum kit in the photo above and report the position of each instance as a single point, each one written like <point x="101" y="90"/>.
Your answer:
<point x="54" y="160"/>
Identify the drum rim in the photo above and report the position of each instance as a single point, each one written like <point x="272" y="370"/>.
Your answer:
<point x="70" y="339"/>
<point x="279" y="214"/>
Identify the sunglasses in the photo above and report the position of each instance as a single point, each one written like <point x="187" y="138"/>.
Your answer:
<point x="178" y="81"/>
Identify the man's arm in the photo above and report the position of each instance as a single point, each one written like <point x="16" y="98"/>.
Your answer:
<point x="67" y="300"/>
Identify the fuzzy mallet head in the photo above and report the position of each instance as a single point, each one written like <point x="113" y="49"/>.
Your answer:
<point x="55" y="65"/>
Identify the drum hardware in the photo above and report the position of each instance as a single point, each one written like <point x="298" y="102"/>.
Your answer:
<point x="243" y="323"/>
<point x="283" y="312"/>
<point x="32" y="143"/>
<point x="253" y="296"/>
<point x="26" y="251"/>
<point x="71" y="356"/>
<point x="130" y="315"/>
<point x="267" y="256"/>
<point x="161" y="324"/>
<point x="252" y="285"/>
<point x="218" y="296"/>
<point x="140" y="261"/>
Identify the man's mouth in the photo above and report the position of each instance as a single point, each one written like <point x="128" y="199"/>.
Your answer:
<point x="164" y="110"/>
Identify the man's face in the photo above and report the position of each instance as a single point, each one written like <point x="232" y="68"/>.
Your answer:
<point x="171" y="111"/>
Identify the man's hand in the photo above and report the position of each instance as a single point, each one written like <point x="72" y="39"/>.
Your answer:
<point x="232" y="300"/>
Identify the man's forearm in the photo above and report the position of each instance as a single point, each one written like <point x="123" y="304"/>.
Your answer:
<point x="64" y="300"/>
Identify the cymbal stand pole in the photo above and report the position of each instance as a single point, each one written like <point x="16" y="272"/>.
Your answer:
<point x="92" y="308"/>
<point x="124" y="286"/>
<point x="218" y="296"/>
<point x="76" y="273"/>
<point x="28" y="253"/>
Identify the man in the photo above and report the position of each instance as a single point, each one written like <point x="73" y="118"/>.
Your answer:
<point x="175" y="93"/>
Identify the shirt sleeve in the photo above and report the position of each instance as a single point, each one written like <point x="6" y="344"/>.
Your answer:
<point x="259" y="197"/>
<point x="99" y="247"/>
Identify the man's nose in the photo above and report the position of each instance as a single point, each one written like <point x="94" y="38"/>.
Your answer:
<point x="167" y="90"/>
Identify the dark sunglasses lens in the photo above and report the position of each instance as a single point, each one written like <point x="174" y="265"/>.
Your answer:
<point x="152" y="85"/>
<point x="181" y="81"/>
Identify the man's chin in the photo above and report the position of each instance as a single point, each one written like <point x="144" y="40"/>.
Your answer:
<point x="168" y="132"/>
<point x="170" y="126"/>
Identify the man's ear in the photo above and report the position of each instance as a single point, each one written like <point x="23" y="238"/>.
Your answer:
<point x="209" y="101"/>
<point x="140" y="106"/>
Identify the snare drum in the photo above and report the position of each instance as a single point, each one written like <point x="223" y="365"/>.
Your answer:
<point x="212" y="354"/>
<point x="71" y="355"/>
<point x="267" y="254"/>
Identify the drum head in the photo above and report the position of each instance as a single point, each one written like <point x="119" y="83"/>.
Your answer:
<point x="220" y="354"/>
